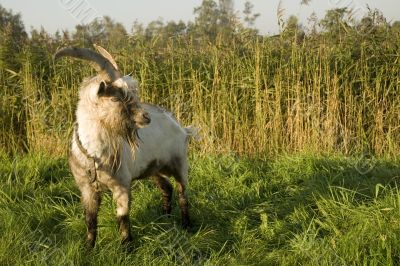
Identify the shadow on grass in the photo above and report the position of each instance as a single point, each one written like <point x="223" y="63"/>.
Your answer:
<point x="233" y="198"/>
<point x="316" y="177"/>
<point x="291" y="182"/>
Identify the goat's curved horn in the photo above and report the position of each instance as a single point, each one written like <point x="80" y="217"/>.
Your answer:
<point x="106" y="55"/>
<point x="99" y="62"/>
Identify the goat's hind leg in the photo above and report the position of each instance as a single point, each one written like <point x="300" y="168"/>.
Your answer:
<point x="166" y="189"/>
<point x="181" y="177"/>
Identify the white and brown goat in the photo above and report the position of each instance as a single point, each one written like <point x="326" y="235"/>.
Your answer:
<point x="118" y="139"/>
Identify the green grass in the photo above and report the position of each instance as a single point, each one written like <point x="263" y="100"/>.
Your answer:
<point x="291" y="210"/>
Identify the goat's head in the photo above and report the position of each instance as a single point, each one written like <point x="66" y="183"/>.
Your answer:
<point x="113" y="99"/>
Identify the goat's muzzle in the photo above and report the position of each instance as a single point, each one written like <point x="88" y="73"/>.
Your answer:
<point x="142" y="119"/>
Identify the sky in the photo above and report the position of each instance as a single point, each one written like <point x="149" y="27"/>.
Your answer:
<point x="56" y="15"/>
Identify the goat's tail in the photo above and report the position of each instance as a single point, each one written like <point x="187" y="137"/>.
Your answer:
<point x="192" y="132"/>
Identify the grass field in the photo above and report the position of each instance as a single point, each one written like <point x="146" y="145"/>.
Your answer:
<point x="290" y="210"/>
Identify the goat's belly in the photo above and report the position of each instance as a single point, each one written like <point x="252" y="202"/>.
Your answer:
<point x="147" y="162"/>
<point x="144" y="164"/>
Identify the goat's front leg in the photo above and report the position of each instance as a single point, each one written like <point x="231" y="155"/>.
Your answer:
<point x="122" y="197"/>
<point x="91" y="203"/>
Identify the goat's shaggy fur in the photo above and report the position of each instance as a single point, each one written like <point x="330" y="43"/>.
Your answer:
<point x="121" y="140"/>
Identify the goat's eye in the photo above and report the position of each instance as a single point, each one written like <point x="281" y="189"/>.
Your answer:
<point x="102" y="88"/>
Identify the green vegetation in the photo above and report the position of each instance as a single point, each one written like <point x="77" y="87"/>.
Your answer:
<point x="322" y="94"/>
<point x="303" y="210"/>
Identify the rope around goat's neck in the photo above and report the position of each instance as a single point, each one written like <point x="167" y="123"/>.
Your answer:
<point x="92" y="171"/>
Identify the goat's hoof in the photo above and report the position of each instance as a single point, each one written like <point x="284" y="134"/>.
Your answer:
<point x="167" y="210"/>
<point x="127" y="244"/>
<point x="127" y="240"/>
<point x="90" y="240"/>
<point x="186" y="225"/>
<point x="90" y="244"/>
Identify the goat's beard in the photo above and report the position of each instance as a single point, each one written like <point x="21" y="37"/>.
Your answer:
<point x="117" y="134"/>
<point x="132" y="138"/>
<point x="129" y="133"/>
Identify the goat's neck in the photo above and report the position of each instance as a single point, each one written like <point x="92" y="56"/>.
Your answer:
<point x="96" y="139"/>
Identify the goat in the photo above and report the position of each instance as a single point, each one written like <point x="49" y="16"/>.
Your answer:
<point x="118" y="139"/>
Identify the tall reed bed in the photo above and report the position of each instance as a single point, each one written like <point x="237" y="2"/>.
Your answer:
<point x="253" y="97"/>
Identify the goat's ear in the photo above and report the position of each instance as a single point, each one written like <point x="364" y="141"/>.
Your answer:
<point x="102" y="88"/>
